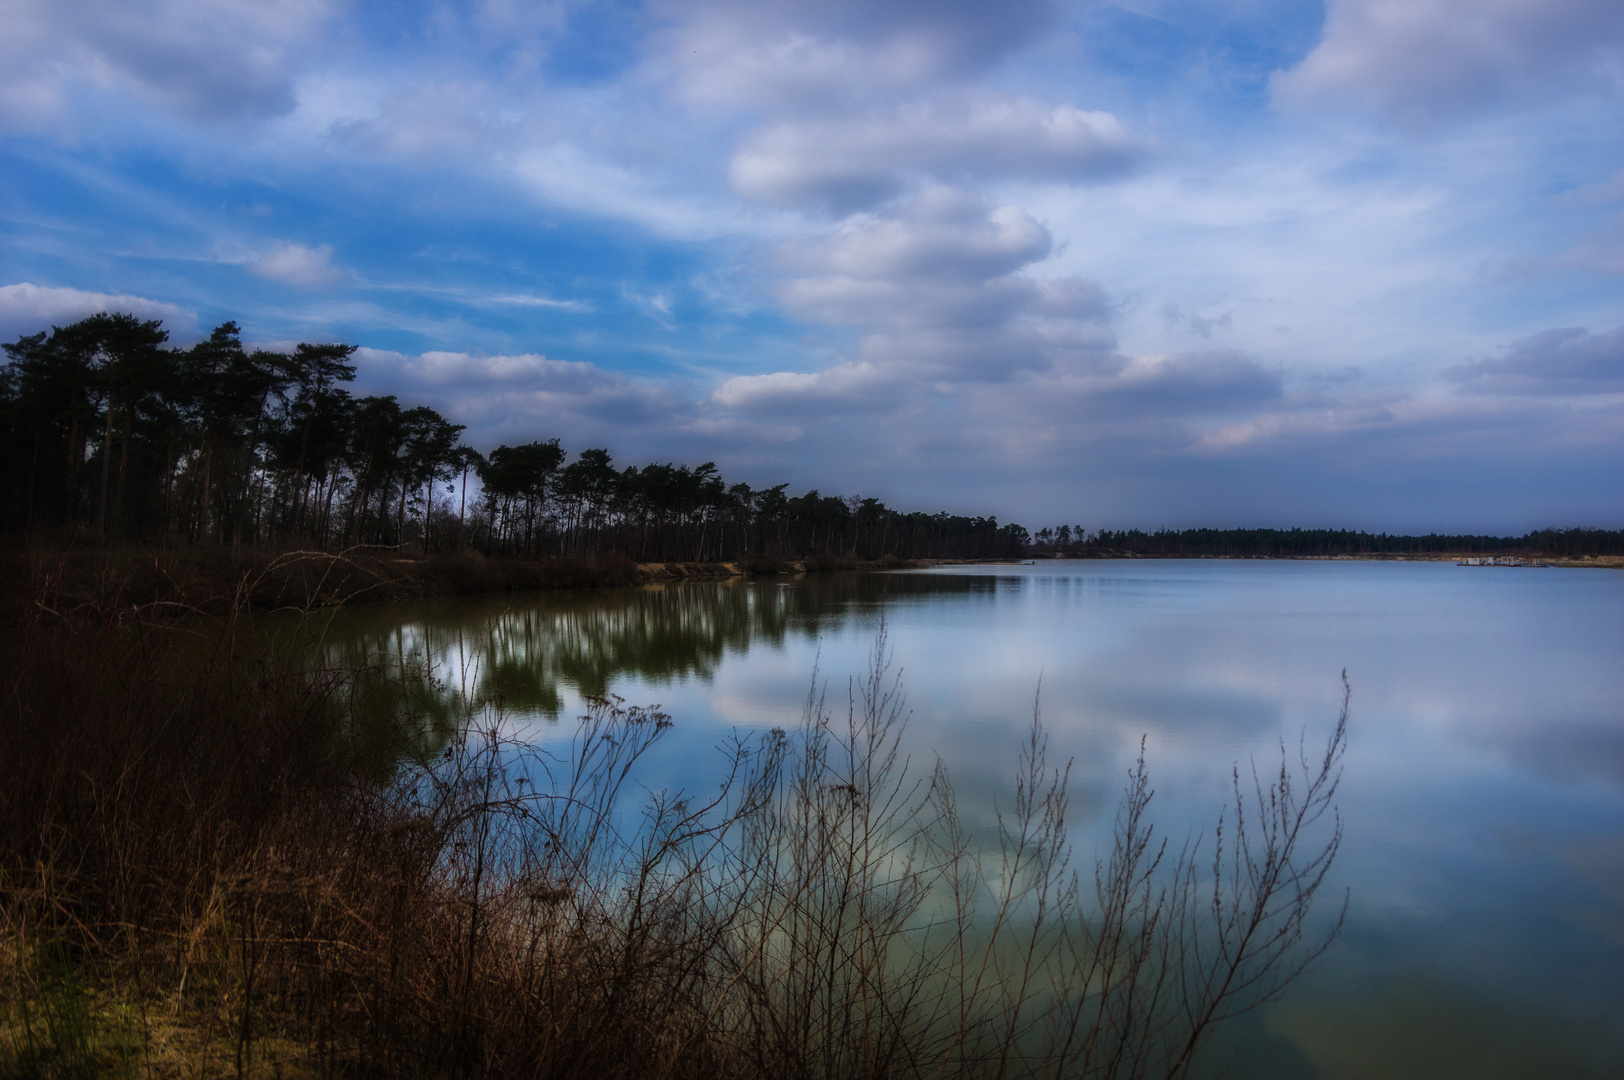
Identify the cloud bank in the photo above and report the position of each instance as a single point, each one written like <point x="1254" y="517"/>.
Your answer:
<point x="1422" y="62"/>
<point x="1173" y="262"/>
<point x="218" y="61"/>
<point x="29" y="309"/>
<point x="1566" y="362"/>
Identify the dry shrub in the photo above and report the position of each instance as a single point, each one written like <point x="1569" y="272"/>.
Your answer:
<point x="242" y="855"/>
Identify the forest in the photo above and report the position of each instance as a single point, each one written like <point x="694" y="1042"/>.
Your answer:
<point x="113" y="435"/>
<point x="1067" y="540"/>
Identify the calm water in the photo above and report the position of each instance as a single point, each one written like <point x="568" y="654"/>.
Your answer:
<point x="1484" y="789"/>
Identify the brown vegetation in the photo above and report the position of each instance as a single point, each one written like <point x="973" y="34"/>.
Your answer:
<point x="215" y="580"/>
<point x="216" y="860"/>
<point x="189" y="580"/>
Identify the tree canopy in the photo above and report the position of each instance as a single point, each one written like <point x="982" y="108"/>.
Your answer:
<point x="111" y="433"/>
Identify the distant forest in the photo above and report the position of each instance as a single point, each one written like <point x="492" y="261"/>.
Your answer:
<point x="1290" y="543"/>
<point x="110" y="434"/>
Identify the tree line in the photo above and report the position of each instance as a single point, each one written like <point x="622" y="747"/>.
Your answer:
<point x="112" y="434"/>
<point x="1286" y="543"/>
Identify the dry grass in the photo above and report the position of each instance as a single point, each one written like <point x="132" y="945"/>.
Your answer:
<point x="217" y="861"/>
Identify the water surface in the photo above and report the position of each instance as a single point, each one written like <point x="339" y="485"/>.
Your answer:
<point x="1484" y="791"/>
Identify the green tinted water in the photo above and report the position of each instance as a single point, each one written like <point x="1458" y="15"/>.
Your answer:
<point x="1484" y="798"/>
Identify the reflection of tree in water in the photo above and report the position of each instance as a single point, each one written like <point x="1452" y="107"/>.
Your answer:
<point x="385" y="678"/>
<point x="527" y="649"/>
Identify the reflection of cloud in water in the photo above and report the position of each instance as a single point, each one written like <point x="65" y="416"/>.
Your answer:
<point x="1600" y="862"/>
<point x="1597" y="865"/>
<point x="1565" y="747"/>
<point x="1483" y="704"/>
<point x="1416" y="1029"/>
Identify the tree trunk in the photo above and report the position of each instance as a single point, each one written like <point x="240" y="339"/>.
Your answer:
<point x="107" y="454"/>
<point x="462" y="491"/>
<point x="123" y="467"/>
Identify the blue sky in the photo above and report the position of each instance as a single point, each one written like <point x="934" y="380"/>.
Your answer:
<point x="1168" y="262"/>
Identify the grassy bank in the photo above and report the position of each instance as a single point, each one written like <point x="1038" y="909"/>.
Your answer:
<point x="217" y="860"/>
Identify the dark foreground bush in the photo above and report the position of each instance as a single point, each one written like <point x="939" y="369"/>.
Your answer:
<point x="206" y="871"/>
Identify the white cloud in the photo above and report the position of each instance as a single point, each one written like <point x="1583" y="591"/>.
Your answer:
<point x="28" y="309"/>
<point x="580" y="179"/>
<point x="796" y="54"/>
<point x="971" y="328"/>
<point x="209" y="59"/>
<point x="526" y="300"/>
<point x="1423" y="61"/>
<point x="940" y="235"/>
<point x="844" y="389"/>
<point x="298" y="265"/>
<point x="937" y="292"/>
<point x="526" y="395"/>
<point x="520" y="397"/>
<point x="945" y="310"/>
<point x="852" y="163"/>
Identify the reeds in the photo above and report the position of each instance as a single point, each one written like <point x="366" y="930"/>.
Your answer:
<point x="214" y="862"/>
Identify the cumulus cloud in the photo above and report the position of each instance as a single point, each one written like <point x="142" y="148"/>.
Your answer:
<point x="29" y="309"/>
<point x="854" y="163"/>
<point x="1206" y="432"/>
<point x="210" y="59"/>
<point x="936" y="290"/>
<point x="942" y="239"/>
<point x="845" y="389"/>
<point x="857" y="103"/>
<point x="298" y="265"/>
<point x="809" y="54"/>
<point x="519" y="395"/>
<point x="940" y="293"/>
<point x="1420" y="62"/>
<point x="526" y="396"/>
<point x="1569" y="361"/>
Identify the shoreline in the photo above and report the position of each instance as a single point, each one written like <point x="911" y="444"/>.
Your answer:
<point x="1609" y="562"/>
<point x="171" y="582"/>
<point x="174" y="582"/>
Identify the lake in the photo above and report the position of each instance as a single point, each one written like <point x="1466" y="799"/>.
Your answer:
<point x="1483" y="798"/>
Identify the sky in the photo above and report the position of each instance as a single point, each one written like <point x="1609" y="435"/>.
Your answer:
<point x="1164" y="263"/>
